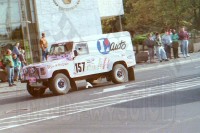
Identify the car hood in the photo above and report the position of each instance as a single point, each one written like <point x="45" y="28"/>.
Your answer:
<point x="48" y="63"/>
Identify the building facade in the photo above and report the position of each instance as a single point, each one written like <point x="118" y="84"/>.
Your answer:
<point x="62" y="20"/>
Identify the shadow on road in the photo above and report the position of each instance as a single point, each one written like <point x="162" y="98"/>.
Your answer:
<point x="164" y="100"/>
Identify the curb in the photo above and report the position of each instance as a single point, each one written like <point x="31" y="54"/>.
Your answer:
<point x="163" y="65"/>
<point x="4" y="88"/>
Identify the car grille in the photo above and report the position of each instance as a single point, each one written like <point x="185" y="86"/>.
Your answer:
<point x="31" y="72"/>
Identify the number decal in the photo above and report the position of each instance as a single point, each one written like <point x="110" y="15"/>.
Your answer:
<point x="80" y="67"/>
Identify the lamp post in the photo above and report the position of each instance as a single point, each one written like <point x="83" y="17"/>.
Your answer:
<point x="25" y="23"/>
<point x="120" y="23"/>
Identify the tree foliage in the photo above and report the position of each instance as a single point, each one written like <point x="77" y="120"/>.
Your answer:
<point x="153" y="15"/>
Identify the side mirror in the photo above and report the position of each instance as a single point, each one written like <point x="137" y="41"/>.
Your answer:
<point x="75" y="53"/>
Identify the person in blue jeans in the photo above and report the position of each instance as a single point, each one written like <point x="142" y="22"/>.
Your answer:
<point x="8" y="60"/>
<point x="17" y="67"/>
<point x="184" y="37"/>
<point x="160" y="52"/>
<point x="44" y="47"/>
<point x="166" y="41"/>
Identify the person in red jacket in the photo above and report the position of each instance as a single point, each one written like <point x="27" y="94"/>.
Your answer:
<point x="184" y="37"/>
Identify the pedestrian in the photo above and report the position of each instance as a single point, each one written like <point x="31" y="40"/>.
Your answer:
<point x="184" y="37"/>
<point x="17" y="67"/>
<point x="22" y="58"/>
<point x="160" y="49"/>
<point x="175" y="43"/>
<point x="44" y="47"/>
<point x="8" y="61"/>
<point x="1" y="65"/>
<point x="153" y="36"/>
<point x="150" y="44"/>
<point x="16" y="49"/>
<point x="167" y="41"/>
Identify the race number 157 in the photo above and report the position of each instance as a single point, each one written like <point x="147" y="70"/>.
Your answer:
<point x="80" y="67"/>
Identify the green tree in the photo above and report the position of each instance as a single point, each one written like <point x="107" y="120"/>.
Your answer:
<point x="153" y="15"/>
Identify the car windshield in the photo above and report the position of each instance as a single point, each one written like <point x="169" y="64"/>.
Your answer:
<point x="57" y="49"/>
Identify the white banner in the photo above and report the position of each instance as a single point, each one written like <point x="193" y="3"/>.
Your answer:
<point x="68" y="19"/>
<point x="109" y="8"/>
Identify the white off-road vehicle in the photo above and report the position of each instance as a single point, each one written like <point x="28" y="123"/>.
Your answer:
<point x="109" y="56"/>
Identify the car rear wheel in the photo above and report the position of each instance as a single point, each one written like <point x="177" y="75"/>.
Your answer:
<point x="131" y="74"/>
<point x="60" y="84"/>
<point x="73" y="85"/>
<point x="35" y="92"/>
<point x="119" y="74"/>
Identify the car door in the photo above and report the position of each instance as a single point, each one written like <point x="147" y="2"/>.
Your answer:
<point x="86" y="63"/>
<point x="82" y="59"/>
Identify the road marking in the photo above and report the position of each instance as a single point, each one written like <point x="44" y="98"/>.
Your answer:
<point x="110" y="90"/>
<point x="66" y="110"/>
<point x="197" y="67"/>
<point x="155" y="79"/>
<point x="122" y="87"/>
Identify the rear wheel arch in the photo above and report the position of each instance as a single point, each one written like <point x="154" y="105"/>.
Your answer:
<point x="120" y="62"/>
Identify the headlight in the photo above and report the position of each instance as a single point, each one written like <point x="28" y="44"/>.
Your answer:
<point x="31" y="70"/>
<point x="43" y="71"/>
<point x="25" y="71"/>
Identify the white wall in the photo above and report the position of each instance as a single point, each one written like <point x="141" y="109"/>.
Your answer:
<point x="67" y="21"/>
<point x="110" y="8"/>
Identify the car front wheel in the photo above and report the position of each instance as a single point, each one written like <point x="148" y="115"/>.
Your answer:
<point x="35" y="92"/>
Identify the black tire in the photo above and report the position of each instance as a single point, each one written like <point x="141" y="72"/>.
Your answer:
<point x="73" y="85"/>
<point x="59" y="84"/>
<point x="35" y="92"/>
<point x="119" y="74"/>
<point x="131" y="74"/>
<point x="109" y="78"/>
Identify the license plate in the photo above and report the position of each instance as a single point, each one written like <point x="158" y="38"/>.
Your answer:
<point x="32" y="80"/>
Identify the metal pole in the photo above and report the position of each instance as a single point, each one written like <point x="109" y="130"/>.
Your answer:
<point x="8" y="20"/>
<point x="27" y="27"/>
<point x="120" y="23"/>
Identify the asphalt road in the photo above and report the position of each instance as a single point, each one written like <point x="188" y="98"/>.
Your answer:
<point x="162" y="99"/>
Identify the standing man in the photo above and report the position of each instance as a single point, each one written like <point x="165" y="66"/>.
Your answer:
<point x="44" y="47"/>
<point x="184" y="37"/>
<point x="175" y="43"/>
<point x="8" y="60"/>
<point x="150" y="44"/>
<point x="160" y="49"/>
<point x="166" y="40"/>
<point x="16" y="49"/>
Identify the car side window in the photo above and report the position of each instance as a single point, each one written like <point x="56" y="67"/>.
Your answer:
<point x="68" y="46"/>
<point x="82" y="48"/>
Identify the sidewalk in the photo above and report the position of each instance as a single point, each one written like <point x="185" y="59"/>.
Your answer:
<point x="194" y="57"/>
<point x="4" y="88"/>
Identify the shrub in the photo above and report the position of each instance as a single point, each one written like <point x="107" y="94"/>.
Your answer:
<point x="139" y="39"/>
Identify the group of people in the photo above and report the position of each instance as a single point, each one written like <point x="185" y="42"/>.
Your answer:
<point x="163" y="44"/>
<point x="13" y="61"/>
